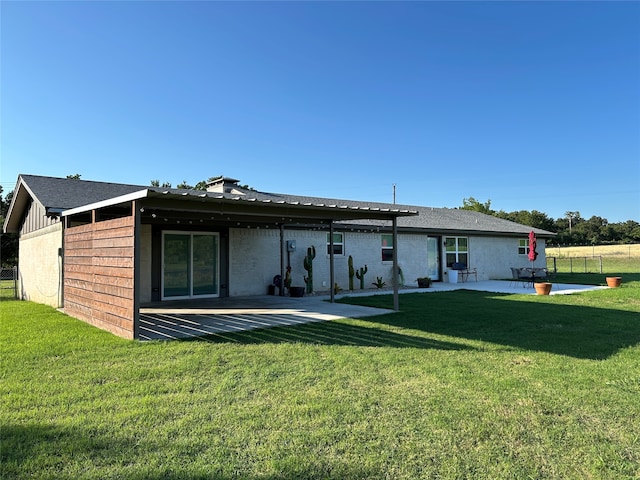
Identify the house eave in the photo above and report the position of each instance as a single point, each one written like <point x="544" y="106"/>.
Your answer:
<point x="21" y="196"/>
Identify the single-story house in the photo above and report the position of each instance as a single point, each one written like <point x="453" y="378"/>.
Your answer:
<point x="101" y="250"/>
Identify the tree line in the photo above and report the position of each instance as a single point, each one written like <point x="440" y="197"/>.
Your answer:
<point x="571" y="229"/>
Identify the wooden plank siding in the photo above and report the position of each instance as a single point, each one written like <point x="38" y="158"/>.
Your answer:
<point x="99" y="274"/>
<point x="35" y="218"/>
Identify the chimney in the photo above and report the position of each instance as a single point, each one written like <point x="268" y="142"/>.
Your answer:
<point x="224" y="184"/>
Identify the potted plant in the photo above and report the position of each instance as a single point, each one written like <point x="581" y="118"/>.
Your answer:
<point x="614" y="282"/>
<point x="543" y="288"/>
<point x="424" y="282"/>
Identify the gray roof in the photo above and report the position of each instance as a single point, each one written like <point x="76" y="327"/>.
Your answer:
<point x="63" y="193"/>
<point x="59" y="194"/>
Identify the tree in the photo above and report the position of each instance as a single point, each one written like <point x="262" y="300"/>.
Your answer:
<point x="474" y="205"/>
<point x="75" y="176"/>
<point x="156" y="183"/>
<point x="573" y="218"/>
<point x="8" y="241"/>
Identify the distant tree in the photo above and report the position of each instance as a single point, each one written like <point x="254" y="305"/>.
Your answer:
<point x="156" y="183"/>
<point x="201" y="185"/>
<point x="532" y="218"/>
<point x="184" y="185"/>
<point x="75" y="176"/>
<point x="474" y="205"/>
<point x="8" y="241"/>
<point x="573" y="218"/>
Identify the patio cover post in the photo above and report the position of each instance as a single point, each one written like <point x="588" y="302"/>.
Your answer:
<point x="281" y="288"/>
<point x="396" y="300"/>
<point x="331" y="266"/>
<point x="136" y="206"/>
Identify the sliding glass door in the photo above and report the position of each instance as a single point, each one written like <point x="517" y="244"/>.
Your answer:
<point x="189" y="265"/>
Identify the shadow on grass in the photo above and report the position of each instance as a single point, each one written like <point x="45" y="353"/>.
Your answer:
<point x="573" y="330"/>
<point x="333" y="333"/>
<point x="594" y="278"/>
<point x="51" y="451"/>
<point x="518" y="322"/>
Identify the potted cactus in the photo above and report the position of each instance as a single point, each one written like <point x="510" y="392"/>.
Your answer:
<point x="424" y="282"/>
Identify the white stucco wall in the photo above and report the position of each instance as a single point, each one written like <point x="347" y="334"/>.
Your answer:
<point x="40" y="266"/>
<point x="254" y="258"/>
<point x="494" y="256"/>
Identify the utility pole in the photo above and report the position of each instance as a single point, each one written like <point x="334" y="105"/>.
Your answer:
<point x="394" y="193"/>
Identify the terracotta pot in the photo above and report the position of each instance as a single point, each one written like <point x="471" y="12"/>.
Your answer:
<point x="614" y="282"/>
<point x="543" y="288"/>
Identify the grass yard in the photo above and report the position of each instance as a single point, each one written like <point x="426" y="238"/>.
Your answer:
<point x="458" y="385"/>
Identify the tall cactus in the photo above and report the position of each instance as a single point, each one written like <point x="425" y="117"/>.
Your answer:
<point x="308" y="266"/>
<point x="360" y="273"/>
<point x="351" y="272"/>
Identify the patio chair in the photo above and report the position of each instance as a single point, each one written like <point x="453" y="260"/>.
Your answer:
<point x="515" y="276"/>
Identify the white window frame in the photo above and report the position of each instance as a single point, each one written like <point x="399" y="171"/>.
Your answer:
<point x="457" y="252"/>
<point x="523" y="246"/>
<point x="335" y="244"/>
<point x="385" y="248"/>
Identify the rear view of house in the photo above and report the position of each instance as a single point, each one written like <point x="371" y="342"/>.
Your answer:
<point x="101" y="250"/>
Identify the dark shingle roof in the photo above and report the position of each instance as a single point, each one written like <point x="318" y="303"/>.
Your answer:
<point x="63" y="194"/>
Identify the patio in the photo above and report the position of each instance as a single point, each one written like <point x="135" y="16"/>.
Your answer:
<point x="197" y="318"/>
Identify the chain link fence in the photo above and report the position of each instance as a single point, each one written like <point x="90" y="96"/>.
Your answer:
<point x="8" y="282"/>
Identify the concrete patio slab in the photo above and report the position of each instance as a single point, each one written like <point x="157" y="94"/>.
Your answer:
<point x="197" y="318"/>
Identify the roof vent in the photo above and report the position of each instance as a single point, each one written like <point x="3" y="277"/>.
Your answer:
<point x="223" y="184"/>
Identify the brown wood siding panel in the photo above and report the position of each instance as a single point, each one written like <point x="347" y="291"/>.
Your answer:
<point x="115" y="281"/>
<point x="126" y="252"/>
<point x="113" y="290"/>
<point x="114" y="242"/>
<point x="120" y="262"/>
<point x="99" y="273"/>
<point x="79" y="260"/>
<point x="119" y="232"/>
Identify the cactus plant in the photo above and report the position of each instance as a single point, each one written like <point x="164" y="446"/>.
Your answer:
<point x="379" y="283"/>
<point x="308" y="266"/>
<point x="351" y="273"/>
<point x="287" y="278"/>
<point x="360" y="275"/>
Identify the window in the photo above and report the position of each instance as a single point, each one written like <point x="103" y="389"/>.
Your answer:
<point x="338" y="244"/>
<point x="523" y="248"/>
<point x="457" y="250"/>
<point x="387" y="247"/>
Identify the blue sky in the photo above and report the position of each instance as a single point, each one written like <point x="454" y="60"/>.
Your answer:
<point x="534" y="106"/>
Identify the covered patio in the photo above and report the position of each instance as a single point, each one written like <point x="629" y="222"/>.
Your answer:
<point x="218" y="316"/>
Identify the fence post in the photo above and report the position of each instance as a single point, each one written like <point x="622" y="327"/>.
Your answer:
<point x="600" y="263"/>
<point x="570" y="264"/>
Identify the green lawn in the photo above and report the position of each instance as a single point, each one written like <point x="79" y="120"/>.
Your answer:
<point x="457" y="385"/>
